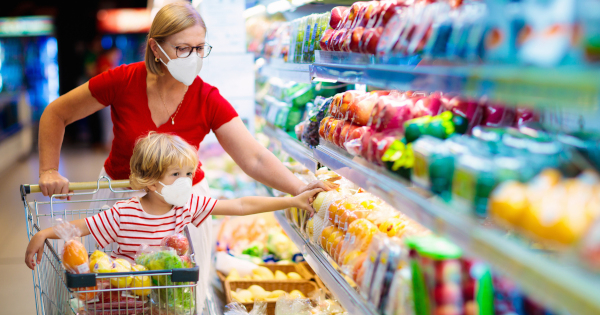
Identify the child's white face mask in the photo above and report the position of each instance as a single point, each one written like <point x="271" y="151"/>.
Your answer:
<point x="178" y="193"/>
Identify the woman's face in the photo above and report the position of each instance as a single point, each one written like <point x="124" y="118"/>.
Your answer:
<point x="190" y="37"/>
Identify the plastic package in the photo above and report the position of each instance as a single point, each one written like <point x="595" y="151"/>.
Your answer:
<point x="178" y="242"/>
<point x="235" y="308"/>
<point x="74" y="256"/>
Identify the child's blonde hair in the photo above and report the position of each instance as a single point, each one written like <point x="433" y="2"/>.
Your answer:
<point x="154" y="154"/>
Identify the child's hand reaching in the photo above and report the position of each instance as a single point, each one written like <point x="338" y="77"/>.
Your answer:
<point x="305" y="200"/>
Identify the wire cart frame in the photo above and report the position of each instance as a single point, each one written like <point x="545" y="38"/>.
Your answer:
<point x="60" y="292"/>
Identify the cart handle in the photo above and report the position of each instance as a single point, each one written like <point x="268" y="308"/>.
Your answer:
<point x="30" y="189"/>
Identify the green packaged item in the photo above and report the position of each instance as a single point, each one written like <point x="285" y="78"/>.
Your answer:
<point x="399" y="158"/>
<point x="301" y="95"/>
<point x="282" y="114"/>
<point x="311" y="28"/>
<point x="441" y="126"/>
<point x="294" y="117"/>
<point x="473" y="182"/>
<point x="300" y="38"/>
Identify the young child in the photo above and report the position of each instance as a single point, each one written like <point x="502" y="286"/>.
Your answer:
<point x="163" y="165"/>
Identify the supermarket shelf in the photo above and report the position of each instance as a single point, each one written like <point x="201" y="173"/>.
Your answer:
<point x="350" y="299"/>
<point x="562" y="285"/>
<point x="570" y="88"/>
<point x="288" y="71"/>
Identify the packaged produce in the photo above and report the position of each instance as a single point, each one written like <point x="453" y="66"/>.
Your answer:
<point x="178" y="242"/>
<point x="158" y="259"/>
<point x="389" y="259"/>
<point x="74" y="256"/>
<point x="235" y="308"/>
<point x="436" y="270"/>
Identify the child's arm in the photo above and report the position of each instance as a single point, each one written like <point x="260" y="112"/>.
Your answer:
<point x="254" y="205"/>
<point x="36" y="245"/>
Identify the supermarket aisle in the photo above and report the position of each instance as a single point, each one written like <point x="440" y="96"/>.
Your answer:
<point x="16" y="291"/>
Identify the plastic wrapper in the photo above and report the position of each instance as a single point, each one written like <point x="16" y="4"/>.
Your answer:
<point x="468" y="109"/>
<point x="400" y="299"/>
<point x="496" y="115"/>
<point x="391" y="256"/>
<point x="74" y="255"/>
<point x="235" y="308"/>
<point x="286" y="305"/>
<point x="310" y="134"/>
<point x="364" y="281"/>
<point x="178" y="242"/>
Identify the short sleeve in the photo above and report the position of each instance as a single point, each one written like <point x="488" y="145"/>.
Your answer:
<point x="106" y="86"/>
<point x="220" y="109"/>
<point x="104" y="226"/>
<point x="200" y="208"/>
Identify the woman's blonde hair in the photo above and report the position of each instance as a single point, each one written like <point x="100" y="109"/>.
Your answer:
<point x="154" y="154"/>
<point x="170" y="19"/>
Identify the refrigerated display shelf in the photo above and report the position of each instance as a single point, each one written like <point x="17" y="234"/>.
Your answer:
<point x="320" y="262"/>
<point x="570" y="88"/>
<point x="557" y="282"/>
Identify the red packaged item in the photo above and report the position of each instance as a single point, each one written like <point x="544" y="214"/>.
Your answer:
<point x="337" y="16"/>
<point x="524" y="115"/>
<point x="337" y="40"/>
<point x="355" y="39"/>
<point x="178" y="242"/>
<point x="370" y="40"/>
<point x="495" y="115"/>
<point x="387" y="11"/>
<point x="322" y="126"/>
<point x="395" y="113"/>
<point x="378" y="144"/>
<point x="373" y="13"/>
<point x="335" y="105"/>
<point x="350" y="98"/>
<point x="430" y="105"/>
<point x="468" y="109"/>
<point x="337" y="134"/>
<point x="361" y="111"/>
<point x="391" y="32"/>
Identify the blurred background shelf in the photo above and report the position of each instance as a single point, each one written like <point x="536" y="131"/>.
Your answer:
<point x="571" y="88"/>
<point x="558" y="282"/>
<point x="348" y="297"/>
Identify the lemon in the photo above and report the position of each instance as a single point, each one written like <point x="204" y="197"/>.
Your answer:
<point x="121" y="265"/>
<point x="140" y="282"/>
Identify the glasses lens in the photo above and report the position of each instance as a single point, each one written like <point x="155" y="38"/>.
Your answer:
<point x="183" y="52"/>
<point x="203" y="51"/>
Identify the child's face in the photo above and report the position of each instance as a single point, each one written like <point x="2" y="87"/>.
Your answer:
<point x="175" y="172"/>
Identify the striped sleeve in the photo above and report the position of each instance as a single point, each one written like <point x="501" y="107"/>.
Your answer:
<point x="104" y="226"/>
<point x="201" y="207"/>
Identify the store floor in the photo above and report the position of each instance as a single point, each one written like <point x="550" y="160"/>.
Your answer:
<point x="16" y="290"/>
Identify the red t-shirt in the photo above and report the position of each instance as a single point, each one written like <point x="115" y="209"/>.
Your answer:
<point x="203" y="109"/>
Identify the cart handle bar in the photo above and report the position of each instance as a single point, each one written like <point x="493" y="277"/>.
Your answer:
<point x="30" y="189"/>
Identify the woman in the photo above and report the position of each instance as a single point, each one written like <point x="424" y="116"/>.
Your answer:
<point x="162" y="94"/>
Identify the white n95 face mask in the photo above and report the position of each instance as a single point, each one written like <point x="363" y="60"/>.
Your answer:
<point x="184" y="70"/>
<point x="178" y="193"/>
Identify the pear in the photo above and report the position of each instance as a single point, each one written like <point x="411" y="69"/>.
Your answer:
<point x="276" y="294"/>
<point x="264" y="273"/>
<point x="297" y="295"/>
<point x="280" y="275"/>
<point x="294" y="276"/>
<point x="244" y="296"/>
<point x="233" y="275"/>
<point x="257" y="292"/>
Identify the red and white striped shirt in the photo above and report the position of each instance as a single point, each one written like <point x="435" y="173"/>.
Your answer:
<point x="129" y="226"/>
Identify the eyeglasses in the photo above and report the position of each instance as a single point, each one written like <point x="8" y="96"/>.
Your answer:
<point x="185" y="51"/>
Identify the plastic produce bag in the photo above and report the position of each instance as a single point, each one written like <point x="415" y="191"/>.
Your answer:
<point x="235" y="308"/>
<point x="74" y="255"/>
<point x="289" y="306"/>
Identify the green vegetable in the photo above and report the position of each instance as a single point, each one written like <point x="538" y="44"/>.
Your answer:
<point x="255" y="251"/>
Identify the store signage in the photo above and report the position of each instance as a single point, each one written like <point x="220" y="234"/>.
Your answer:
<point x="124" y="20"/>
<point x="26" y="26"/>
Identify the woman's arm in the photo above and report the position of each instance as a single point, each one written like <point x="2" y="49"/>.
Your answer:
<point x="36" y="245"/>
<point x="75" y="105"/>
<point x="254" y="205"/>
<point x="258" y="162"/>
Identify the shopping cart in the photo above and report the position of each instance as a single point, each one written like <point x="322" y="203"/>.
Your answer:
<point x="60" y="292"/>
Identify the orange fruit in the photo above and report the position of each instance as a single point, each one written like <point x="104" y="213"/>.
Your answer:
<point x="75" y="257"/>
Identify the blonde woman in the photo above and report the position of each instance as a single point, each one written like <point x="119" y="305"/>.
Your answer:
<point x="163" y="94"/>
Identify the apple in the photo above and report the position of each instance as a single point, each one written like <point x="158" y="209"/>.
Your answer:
<point x="357" y="133"/>
<point x="361" y="111"/>
<point x="326" y="39"/>
<point x="365" y="140"/>
<point x="337" y="16"/>
<point x="447" y="293"/>
<point x="468" y="109"/>
<point x="524" y="115"/>
<point x="427" y="106"/>
<point x="335" y="105"/>
<point x="344" y="135"/>
<point x="355" y="39"/>
<point x="345" y="46"/>
<point x="337" y="132"/>
<point x="355" y="11"/>
<point x="338" y="40"/>
<point x="495" y="115"/>
<point x="370" y="40"/>
<point x="349" y="98"/>
<point x="393" y="116"/>
<point x="178" y="242"/>
<point x="387" y="11"/>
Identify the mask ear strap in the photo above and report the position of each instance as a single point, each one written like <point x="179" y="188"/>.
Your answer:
<point x="162" y="60"/>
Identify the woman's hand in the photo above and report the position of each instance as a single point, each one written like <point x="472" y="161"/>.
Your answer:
<point x="305" y="200"/>
<point x="52" y="183"/>
<point x="317" y="184"/>
<point x="36" y="245"/>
